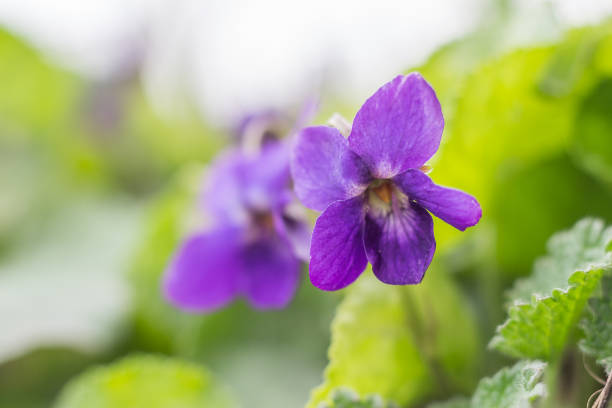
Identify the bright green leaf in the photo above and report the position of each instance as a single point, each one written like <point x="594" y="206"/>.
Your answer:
<point x="344" y="398"/>
<point x="598" y="326"/>
<point x="560" y="286"/>
<point x="402" y="343"/>
<point x="145" y="382"/>
<point x="514" y="387"/>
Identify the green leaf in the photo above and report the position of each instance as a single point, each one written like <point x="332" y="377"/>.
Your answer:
<point x="344" y="398"/>
<point x="559" y="288"/>
<point x="534" y="195"/>
<point x="502" y="120"/>
<point x="145" y="381"/>
<point x="514" y="387"/>
<point x="592" y="131"/>
<point x="573" y="56"/>
<point x="598" y="326"/>
<point x="402" y="343"/>
<point x="569" y="251"/>
<point x="457" y="402"/>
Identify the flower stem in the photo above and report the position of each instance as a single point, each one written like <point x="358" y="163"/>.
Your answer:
<point x="606" y="394"/>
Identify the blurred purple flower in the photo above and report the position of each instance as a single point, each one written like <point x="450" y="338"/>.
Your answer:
<point x="259" y="129"/>
<point x="373" y="191"/>
<point x="254" y="250"/>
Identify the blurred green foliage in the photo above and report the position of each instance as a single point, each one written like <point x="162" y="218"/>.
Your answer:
<point x="145" y="382"/>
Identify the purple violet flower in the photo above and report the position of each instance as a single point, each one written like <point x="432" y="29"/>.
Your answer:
<point x="255" y="247"/>
<point x="373" y="191"/>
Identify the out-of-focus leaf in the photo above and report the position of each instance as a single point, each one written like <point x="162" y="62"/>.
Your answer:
<point x="35" y="378"/>
<point x="531" y="203"/>
<point x="344" y="398"/>
<point x="457" y="402"/>
<point x="571" y="59"/>
<point x="145" y="382"/>
<point x="559" y="288"/>
<point x="65" y="287"/>
<point x="514" y="387"/>
<point x="598" y="325"/>
<point x="502" y="120"/>
<point x="402" y="343"/>
<point x="593" y="132"/>
<point x="167" y="221"/>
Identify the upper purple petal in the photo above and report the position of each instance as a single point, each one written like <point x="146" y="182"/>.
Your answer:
<point x="337" y="255"/>
<point x="238" y="183"/>
<point x="399" y="127"/>
<point x="400" y="243"/>
<point x="264" y="178"/>
<point x="204" y="273"/>
<point x="457" y="208"/>
<point x="324" y="169"/>
<point x="270" y="273"/>
<point x="221" y="194"/>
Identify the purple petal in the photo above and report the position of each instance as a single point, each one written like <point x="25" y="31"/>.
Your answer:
<point x="400" y="243"/>
<point x="324" y="169"/>
<point x="238" y="183"/>
<point x="457" y="208"/>
<point x="265" y="177"/>
<point x="260" y="128"/>
<point x="271" y="273"/>
<point x="204" y="273"/>
<point x="293" y="226"/>
<point x="337" y="256"/>
<point x="399" y="127"/>
<point x="222" y="195"/>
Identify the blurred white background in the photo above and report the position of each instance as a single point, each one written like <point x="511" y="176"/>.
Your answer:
<point x="235" y="56"/>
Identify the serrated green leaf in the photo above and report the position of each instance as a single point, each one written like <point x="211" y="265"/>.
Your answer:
<point x="145" y="381"/>
<point x="579" y="248"/>
<point x="514" y="387"/>
<point x="401" y="342"/>
<point x="560" y="286"/>
<point x="598" y="325"/>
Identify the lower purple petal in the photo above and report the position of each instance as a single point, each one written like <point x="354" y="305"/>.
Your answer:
<point x="337" y="256"/>
<point x="400" y="243"/>
<point x="455" y="207"/>
<point x="270" y="273"/>
<point x="204" y="273"/>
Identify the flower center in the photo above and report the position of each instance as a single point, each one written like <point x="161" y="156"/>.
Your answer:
<point x="263" y="220"/>
<point x="384" y="190"/>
